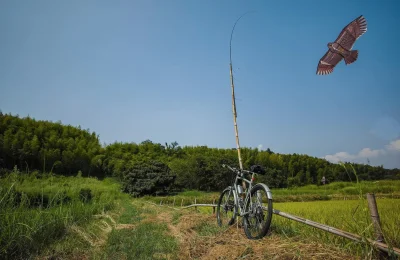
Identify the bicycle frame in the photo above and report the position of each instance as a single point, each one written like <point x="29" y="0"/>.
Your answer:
<point x="234" y="188"/>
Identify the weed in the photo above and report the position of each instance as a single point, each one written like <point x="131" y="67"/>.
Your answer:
<point x="37" y="210"/>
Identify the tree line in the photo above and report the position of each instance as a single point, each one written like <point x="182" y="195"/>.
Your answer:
<point x="149" y="167"/>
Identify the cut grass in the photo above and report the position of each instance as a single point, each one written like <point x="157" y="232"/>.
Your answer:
<point x="205" y="228"/>
<point x="149" y="239"/>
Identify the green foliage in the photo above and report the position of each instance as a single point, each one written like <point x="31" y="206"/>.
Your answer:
<point x="48" y="146"/>
<point x="85" y="195"/>
<point x="36" y="210"/>
<point x="151" y="177"/>
<point x="65" y="150"/>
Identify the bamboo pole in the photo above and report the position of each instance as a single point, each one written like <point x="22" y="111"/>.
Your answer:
<point x="373" y="209"/>
<point x="234" y="119"/>
<point x="234" y="102"/>
<point x="199" y="205"/>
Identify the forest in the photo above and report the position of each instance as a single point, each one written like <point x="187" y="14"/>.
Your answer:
<point x="151" y="168"/>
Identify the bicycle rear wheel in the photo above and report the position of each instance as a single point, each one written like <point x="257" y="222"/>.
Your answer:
<point x="259" y="208"/>
<point x="226" y="208"/>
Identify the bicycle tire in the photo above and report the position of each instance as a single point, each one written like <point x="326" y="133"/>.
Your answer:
<point x="230" y="205"/>
<point x="258" y="212"/>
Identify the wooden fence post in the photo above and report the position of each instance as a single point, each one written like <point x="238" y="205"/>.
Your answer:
<point x="195" y="207"/>
<point x="182" y="203"/>
<point x="373" y="209"/>
<point x="173" y="205"/>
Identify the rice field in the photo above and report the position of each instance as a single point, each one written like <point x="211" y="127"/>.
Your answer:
<point x="342" y="205"/>
<point x="349" y="215"/>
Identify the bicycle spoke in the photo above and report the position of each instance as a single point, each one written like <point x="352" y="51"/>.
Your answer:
<point x="226" y="210"/>
<point x="260" y="212"/>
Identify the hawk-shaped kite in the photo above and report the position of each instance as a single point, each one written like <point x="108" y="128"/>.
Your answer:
<point x="341" y="47"/>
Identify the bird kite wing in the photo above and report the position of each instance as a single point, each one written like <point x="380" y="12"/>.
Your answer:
<point x="328" y="62"/>
<point x="352" y="32"/>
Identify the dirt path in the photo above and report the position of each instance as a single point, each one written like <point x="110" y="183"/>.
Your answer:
<point x="232" y="243"/>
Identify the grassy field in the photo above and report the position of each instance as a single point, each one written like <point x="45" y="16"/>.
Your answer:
<point x="49" y="217"/>
<point x="36" y="210"/>
<point x="349" y="215"/>
<point x="341" y="205"/>
<point x="56" y="217"/>
<point x="332" y="191"/>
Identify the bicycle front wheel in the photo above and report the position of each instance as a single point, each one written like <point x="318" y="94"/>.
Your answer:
<point x="226" y="208"/>
<point x="259" y="212"/>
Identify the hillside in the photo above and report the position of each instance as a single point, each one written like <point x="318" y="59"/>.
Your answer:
<point x="31" y="144"/>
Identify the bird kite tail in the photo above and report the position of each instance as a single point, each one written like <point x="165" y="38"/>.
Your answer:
<point x="352" y="57"/>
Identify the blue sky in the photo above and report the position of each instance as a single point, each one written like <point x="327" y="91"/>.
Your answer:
<point x="159" y="70"/>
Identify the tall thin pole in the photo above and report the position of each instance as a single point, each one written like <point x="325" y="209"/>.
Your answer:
<point x="234" y="119"/>
<point x="233" y="97"/>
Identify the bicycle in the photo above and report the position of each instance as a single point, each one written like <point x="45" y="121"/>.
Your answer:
<point x="256" y="216"/>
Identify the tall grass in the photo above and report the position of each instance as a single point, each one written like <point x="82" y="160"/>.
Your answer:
<point x="350" y="215"/>
<point x="37" y="209"/>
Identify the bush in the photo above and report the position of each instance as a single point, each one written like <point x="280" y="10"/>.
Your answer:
<point x="148" y="178"/>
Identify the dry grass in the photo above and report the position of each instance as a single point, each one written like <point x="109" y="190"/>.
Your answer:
<point x="231" y="243"/>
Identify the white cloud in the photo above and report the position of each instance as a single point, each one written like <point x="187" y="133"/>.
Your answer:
<point x="394" y="145"/>
<point x="365" y="154"/>
<point x="368" y="152"/>
<point x="259" y="146"/>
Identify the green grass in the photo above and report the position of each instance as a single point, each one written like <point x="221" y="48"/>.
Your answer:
<point x="37" y="210"/>
<point x="204" y="228"/>
<point x="350" y="215"/>
<point x="331" y="191"/>
<point x="341" y="205"/>
<point x="343" y="188"/>
<point x="130" y="214"/>
<point x="185" y="198"/>
<point x="146" y="241"/>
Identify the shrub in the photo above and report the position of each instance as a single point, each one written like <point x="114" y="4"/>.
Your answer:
<point x="148" y="178"/>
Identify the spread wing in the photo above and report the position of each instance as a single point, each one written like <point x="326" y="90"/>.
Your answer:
<point x="352" y="32"/>
<point x="328" y="62"/>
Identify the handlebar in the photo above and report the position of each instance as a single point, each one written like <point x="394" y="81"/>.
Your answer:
<point x="240" y="171"/>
